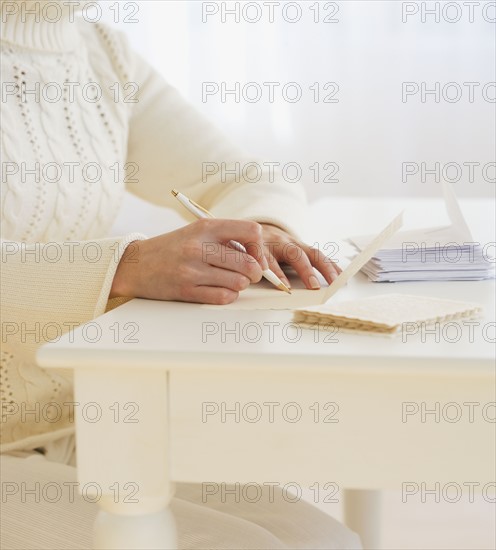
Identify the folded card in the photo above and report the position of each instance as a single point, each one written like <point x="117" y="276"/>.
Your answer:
<point x="262" y="297"/>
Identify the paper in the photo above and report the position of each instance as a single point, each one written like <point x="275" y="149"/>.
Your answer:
<point x="262" y="297"/>
<point x="458" y="223"/>
<point x="271" y="298"/>
<point x="445" y="253"/>
<point x="361" y="259"/>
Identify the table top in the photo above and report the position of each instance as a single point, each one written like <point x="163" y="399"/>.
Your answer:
<point x="175" y="335"/>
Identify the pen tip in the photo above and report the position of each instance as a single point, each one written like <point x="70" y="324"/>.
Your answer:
<point x="174" y="192"/>
<point x="282" y="286"/>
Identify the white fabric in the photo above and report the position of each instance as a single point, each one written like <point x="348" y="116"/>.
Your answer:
<point x="67" y="524"/>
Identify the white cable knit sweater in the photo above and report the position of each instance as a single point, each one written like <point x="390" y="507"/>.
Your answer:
<point x="64" y="151"/>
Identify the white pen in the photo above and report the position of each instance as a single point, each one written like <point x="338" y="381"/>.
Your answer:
<point x="200" y="212"/>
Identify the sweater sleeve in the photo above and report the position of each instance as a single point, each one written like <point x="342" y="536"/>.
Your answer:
<point x="47" y="289"/>
<point x="174" y="146"/>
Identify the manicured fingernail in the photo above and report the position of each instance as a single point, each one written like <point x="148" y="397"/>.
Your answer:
<point x="314" y="282"/>
<point x="285" y="281"/>
<point x="334" y="276"/>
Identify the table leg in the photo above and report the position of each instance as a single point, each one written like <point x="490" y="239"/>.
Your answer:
<point x="149" y="531"/>
<point x="122" y="438"/>
<point x="362" y="513"/>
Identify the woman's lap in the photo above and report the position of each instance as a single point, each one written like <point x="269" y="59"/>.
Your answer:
<point x="204" y="520"/>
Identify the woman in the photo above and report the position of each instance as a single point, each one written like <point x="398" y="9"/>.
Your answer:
<point x="83" y="118"/>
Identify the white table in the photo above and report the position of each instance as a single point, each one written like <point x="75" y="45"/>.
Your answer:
<point x="162" y="365"/>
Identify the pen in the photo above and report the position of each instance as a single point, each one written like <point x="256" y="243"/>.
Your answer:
<point x="200" y="212"/>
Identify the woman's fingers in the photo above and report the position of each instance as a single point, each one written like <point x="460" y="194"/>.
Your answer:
<point x="225" y="278"/>
<point x="276" y="268"/>
<point x="248" y="233"/>
<point x="326" y="267"/>
<point x="282" y="248"/>
<point x="300" y="262"/>
<point x="304" y="259"/>
<point x="212" y="295"/>
<point x="231" y="260"/>
<point x="195" y="284"/>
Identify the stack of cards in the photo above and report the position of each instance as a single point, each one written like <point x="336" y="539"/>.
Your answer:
<point x="436" y="254"/>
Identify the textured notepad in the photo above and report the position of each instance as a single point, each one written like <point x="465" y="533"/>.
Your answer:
<point x="386" y="313"/>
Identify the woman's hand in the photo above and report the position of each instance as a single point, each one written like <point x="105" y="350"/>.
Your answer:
<point x="282" y="248"/>
<point x="192" y="264"/>
<point x="196" y="264"/>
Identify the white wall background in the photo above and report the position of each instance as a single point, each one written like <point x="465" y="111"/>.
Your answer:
<point x="369" y="51"/>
